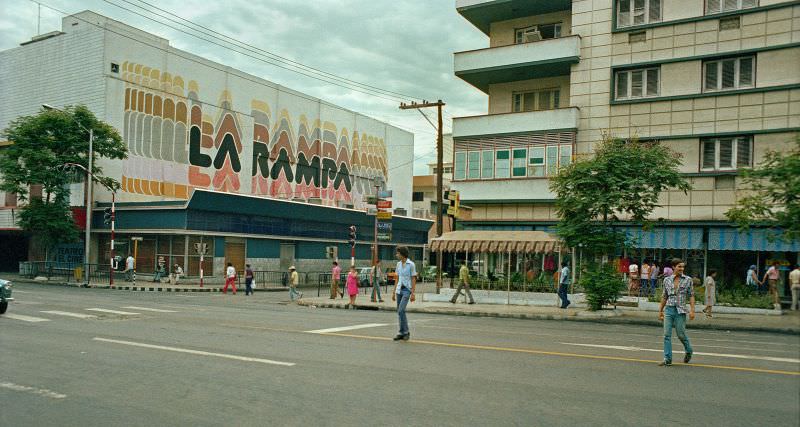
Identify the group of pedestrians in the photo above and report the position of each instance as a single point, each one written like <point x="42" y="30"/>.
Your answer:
<point x="644" y="280"/>
<point x="352" y="281"/>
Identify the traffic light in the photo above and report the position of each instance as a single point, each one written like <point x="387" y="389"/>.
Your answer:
<point x="107" y="216"/>
<point x="352" y="236"/>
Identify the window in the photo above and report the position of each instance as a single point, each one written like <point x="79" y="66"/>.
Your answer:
<point x="537" y="32"/>
<point x="638" y="12"/>
<point x="552" y="159"/>
<point x="520" y="160"/>
<point x="11" y="199"/>
<point x="536" y="162"/>
<point x="726" y="153"/>
<point x="536" y="101"/>
<point x="719" y="6"/>
<point x="637" y="83"/>
<point x="487" y="165"/>
<point x="502" y="167"/>
<point x="460" y="166"/>
<point x="417" y="196"/>
<point x="728" y="74"/>
<point x="474" y="165"/>
<point x="565" y="155"/>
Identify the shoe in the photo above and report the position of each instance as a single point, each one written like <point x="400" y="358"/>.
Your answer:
<point x="452" y="302"/>
<point x="665" y="363"/>
<point x="398" y="337"/>
<point x="380" y="300"/>
<point x="471" y="302"/>
<point x="406" y="337"/>
<point x="687" y="357"/>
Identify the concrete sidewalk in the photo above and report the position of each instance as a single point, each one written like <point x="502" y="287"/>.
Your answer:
<point x="789" y="323"/>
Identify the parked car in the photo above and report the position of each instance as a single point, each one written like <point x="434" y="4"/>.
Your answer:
<point x="5" y="295"/>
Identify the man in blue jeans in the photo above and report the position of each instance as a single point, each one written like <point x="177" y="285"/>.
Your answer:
<point x="563" y="284"/>
<point x="677" y="290"/>
<point x="404" y="290"/>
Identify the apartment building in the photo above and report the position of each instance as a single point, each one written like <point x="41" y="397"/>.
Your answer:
<point x="715" y="80"/>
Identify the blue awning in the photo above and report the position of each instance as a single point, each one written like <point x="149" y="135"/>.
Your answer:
<point x="730" y="239"/>
<point x="666" y="237"/>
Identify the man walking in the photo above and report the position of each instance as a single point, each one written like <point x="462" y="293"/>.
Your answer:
<point x="771" y="277"/>
<point x="375" y="278"/>
<point x="130" y="271"/>
<point x="336" y="273"/>
<point x="794" y="282"/>
<point x="248" y="280"/>
<point x="404" y="290"/>
<point x="463" y="283"/>
<point x="677" y="289"/>
<point x="293" y="281"/>
<point x="563" y="284"/>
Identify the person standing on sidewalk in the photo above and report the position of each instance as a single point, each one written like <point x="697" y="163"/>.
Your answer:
<point x="352" y="285"/>
<point x="752" y="279"/>
<point x="771" y="277"/>
<point x="711" y="291"/>
<point x="463" y="283"/>
<point x="404" y="290"/>
<point x="653" y="278"/>
<point x="794" y="282"/>
<point x="248" y="280"/>
<point x="230" y="279"/>
<point x="294" y="279"/>
<point x="336" y="274"/>
<point x="677" y="289"/>
<point x="129" y="268"/>
<point x="375" y="278"/>
<point x="563" y="284"/>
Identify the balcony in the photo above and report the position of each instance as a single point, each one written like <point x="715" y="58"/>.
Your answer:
<point x="481" y="13"/>
<point x="545" y="58"/>
<point x="561" y="119"/>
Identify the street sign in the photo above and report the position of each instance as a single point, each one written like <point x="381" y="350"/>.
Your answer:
<point x="384" y="204"/>
<point x="384" y="231"/>
<point x="452" y="195"/>
<point x="384" y="194"/>
<point x="372" y="211"/>
<point x="384" y="215"/>
<point x="370" y="200"/>
<point x="137" y="239"/>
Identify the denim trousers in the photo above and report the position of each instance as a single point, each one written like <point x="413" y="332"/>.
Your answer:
<point x="293" y="293"/>
<point x="376" y="290"/>
<point x="562" y="294"/>
<point x="677" y="320"/>
<point x="402" y="301"/>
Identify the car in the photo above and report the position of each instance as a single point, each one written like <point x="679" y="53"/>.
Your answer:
<point x="5" y="295"/>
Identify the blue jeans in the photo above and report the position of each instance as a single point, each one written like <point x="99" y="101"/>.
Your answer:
<point x="402" y="301"/>
<point x="674" y="319"/>
<point x="652" y="287"/>
<point x="294" y="293"/>
<point x="562" y="294"/>
<point x="376" y="290"/>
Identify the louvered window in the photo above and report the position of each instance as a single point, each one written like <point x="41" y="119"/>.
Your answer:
<point x="726" y="153"/>
<point x="637" y="83"/>
<point x="719" y="6"/>
<point x="638" y="12"/>
<point x="728" y="74"/>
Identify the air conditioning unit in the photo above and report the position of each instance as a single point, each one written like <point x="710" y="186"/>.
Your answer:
<point x="532" y="36"/>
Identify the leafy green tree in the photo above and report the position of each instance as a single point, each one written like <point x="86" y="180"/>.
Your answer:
<point x="40" y="147"/>
<point x="775" y="194"/>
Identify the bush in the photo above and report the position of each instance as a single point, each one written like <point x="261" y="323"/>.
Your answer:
<point x="602" y="284"/>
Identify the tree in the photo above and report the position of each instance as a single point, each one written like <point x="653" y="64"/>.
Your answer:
<point x="775" y="197"/>
<point x="40" y="146"/>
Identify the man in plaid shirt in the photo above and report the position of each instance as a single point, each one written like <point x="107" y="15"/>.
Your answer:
<point x="677" y="289"/>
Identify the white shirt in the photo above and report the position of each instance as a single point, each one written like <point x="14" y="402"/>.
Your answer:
<point x="231" y="272"/>
<point x="129" y="263"/>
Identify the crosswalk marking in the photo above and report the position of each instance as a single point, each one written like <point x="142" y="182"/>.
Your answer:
<point x="156" y="310"/>
<point x="25" y="318"/>
<point x="68" y="314"/>
<point x="346" y="328"/>
<point x="195" y="352"/>
<point x="696" y="353"/>
<point x="103" y="310"/>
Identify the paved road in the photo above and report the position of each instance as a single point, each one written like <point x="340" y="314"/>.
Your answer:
<point x="87" y="357"/>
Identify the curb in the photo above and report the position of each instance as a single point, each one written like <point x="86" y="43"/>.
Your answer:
<point x="145" y="288"/>
<point x="617" y="318"/>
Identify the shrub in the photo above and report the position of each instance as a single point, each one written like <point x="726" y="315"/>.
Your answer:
<point x="602" y="284"/>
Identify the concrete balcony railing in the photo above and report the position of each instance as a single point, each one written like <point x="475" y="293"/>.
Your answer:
<point x="561" y="119"/>
<point x="544" y="58"/>
<point x="481" y="13"/>
<point x="8" y="219"/>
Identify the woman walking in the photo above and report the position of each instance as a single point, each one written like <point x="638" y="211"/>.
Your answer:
<point x="352" y="285"/>
<point x="711" y="291"/>
<point x="752" y="279"/>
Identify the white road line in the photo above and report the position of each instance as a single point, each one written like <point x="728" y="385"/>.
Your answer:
<point x="68" y="314"/>
<point x="346" y="328"/>
<point x="32" y="390"/>
<point x="696" y="353"/>
<point x="103" y="310"/>
<point x="157" y="310"/>
<point x="25" y="318"/>
<point x="195" y="352"/>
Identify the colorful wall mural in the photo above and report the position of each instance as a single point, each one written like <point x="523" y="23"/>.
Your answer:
<point x="178" y="143"/>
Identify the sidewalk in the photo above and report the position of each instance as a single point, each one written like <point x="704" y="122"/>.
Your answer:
<point x="184" y="285"/>
<point x="788" y="323"/>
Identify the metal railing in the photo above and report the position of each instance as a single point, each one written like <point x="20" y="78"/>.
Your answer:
<point x="364" y="285"/>
<point x="69" y="272"/>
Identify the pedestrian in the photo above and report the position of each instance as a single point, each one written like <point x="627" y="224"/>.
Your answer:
<point x="248" y="280"/>
<point x="563" y="284"/>
<point x="230" y="279"/>
<point x="293" y="281"/>
<point x="771" y="277"/>
<point x="794" y="282"/>
<point x="404" y="290"/>
<point x="161" y="270"/>
<point x="352" y="285"/>
<point x="336" y="273"/>
<point x="177" y="272"/>
<point x="375" y="278"/>
<point x="677" y="290"/>
<point x="644" y="274"/>
<point x="653" y="278"/>
<point x="667" y="270"/>
<point x="752" y="279"/>
<point x="130" y="269"/>
<point x="463" y="283"/>
<point x="633" y="279"/>
<point x="711" y="291"/>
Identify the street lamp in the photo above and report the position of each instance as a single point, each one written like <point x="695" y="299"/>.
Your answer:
<point x="89" y="186"/>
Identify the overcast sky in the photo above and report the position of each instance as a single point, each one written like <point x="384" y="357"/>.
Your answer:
<point x="405" y="46"/>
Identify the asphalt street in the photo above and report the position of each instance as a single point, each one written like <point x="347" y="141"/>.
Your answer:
<point x="94" y="357"/>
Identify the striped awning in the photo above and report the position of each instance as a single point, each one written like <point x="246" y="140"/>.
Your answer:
<point x="497" y="241"/>
<point x="666" y="237"/>
<point x="730" y="239"/>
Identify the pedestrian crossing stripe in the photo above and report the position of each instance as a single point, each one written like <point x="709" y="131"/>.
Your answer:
<point x="69" y="314"/>
<point x="25" y="318"/>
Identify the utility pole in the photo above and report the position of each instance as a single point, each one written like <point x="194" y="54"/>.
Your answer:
<point x="439" y="171"/>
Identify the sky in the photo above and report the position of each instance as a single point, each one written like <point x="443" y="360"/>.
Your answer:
<point x="403" y="46"/>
